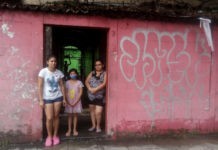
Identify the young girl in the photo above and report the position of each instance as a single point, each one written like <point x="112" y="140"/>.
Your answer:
<point x="73" y="93"/>
<point x="51" y="97"/>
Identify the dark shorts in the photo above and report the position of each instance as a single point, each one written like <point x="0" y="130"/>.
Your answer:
<point x="98" y="102"/>
<point x="59" y="99"/>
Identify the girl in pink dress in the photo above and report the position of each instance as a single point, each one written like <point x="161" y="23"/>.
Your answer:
<point x="74" y="90"/>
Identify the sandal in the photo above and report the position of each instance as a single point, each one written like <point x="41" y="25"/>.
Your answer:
<point x="91" y="129"/>
<point x="56" y="140"/>
<point x="48" y="142"/>
<point x="98" y="130"/>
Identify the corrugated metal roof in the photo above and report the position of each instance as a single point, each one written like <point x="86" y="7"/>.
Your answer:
<point x="182" y="11"/>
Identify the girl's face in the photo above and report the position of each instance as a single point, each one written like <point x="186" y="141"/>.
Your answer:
<point x="73" y="75"/>
<point x="52" y="63"/>
<point x="99" y="66"/>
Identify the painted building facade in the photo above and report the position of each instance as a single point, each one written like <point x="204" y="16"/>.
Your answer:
<point x="162" y="76"/>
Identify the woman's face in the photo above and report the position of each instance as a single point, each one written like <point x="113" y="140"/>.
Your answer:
<point x="52" y="63"/>
<point x="99" y="66"/>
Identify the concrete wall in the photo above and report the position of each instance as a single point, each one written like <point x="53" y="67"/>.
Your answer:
<point x="164" y="79"/>
<point x="20" y="60"/>
<point x="161" y="76"/>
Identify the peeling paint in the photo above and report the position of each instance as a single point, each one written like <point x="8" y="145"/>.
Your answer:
<point x="21" y="88"/>
<point x="5" y="30"/>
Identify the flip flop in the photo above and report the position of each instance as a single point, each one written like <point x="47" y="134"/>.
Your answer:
<point x="98" y="130"/>
<point x="91" y="129"/>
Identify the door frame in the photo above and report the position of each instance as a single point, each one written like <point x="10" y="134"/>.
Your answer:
<point x="47" y="50"/>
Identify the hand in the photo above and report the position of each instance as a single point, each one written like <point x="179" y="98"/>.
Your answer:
<point x="73" y="105"/>
<point x="93" y="90"/>
<point x="41" y="103"/>
<point x="64" y="103"/>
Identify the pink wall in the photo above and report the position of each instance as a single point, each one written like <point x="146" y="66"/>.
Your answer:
<point x="20" y="60"/>
<point x="161" y="76"/>
<point x="165" y="78"/>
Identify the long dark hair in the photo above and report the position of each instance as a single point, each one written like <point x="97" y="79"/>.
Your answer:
<point x="51" y="56"/>
<point x="100" y="61"/>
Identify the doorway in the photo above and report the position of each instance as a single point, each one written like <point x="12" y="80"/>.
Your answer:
<point x="76" y="47"/>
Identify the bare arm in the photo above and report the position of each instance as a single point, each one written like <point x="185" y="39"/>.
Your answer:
<point x="66" y="92"/>
<point x="79" y="96"/>
<point x="40" y="91"/>
<point x="61" y="82"/>
<point x="96" y="89"/>
<point x="87" y="81"/>
<point x="101" y="86"/>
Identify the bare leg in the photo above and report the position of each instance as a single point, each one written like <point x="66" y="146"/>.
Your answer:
<point x="49" y="111"/>
<point x="92" y="114"/>
<point x="98" y="115"/>
<point x="69" y="125"/>
<point x="57" y="108"/>
<point x="75" y="120"/>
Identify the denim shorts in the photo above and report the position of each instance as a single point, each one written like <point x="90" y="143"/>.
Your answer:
<point x="47" y="101"/>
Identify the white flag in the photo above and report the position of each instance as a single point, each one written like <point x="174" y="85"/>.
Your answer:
<point x="206" y="25"/>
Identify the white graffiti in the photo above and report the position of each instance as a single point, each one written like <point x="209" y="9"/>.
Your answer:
<point x="148" y="102"/>
<point x="173" y="56"/>
<point x="171" y="64"/>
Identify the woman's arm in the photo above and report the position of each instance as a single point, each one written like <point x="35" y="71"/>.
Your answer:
<point x="66" y="92"/>
<point x="103" y="85"/>
<point x="87" y="81"/>
<point x="61" y="82"/>
<point x="40" y="91"/>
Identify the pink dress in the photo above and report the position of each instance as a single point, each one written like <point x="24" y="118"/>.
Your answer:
<point x="72" y="96"/>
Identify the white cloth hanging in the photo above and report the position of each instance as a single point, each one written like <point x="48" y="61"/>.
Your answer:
<point x="206" y="26"/>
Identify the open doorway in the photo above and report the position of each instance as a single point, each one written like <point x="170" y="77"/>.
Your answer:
<point x="76" y="47"/>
